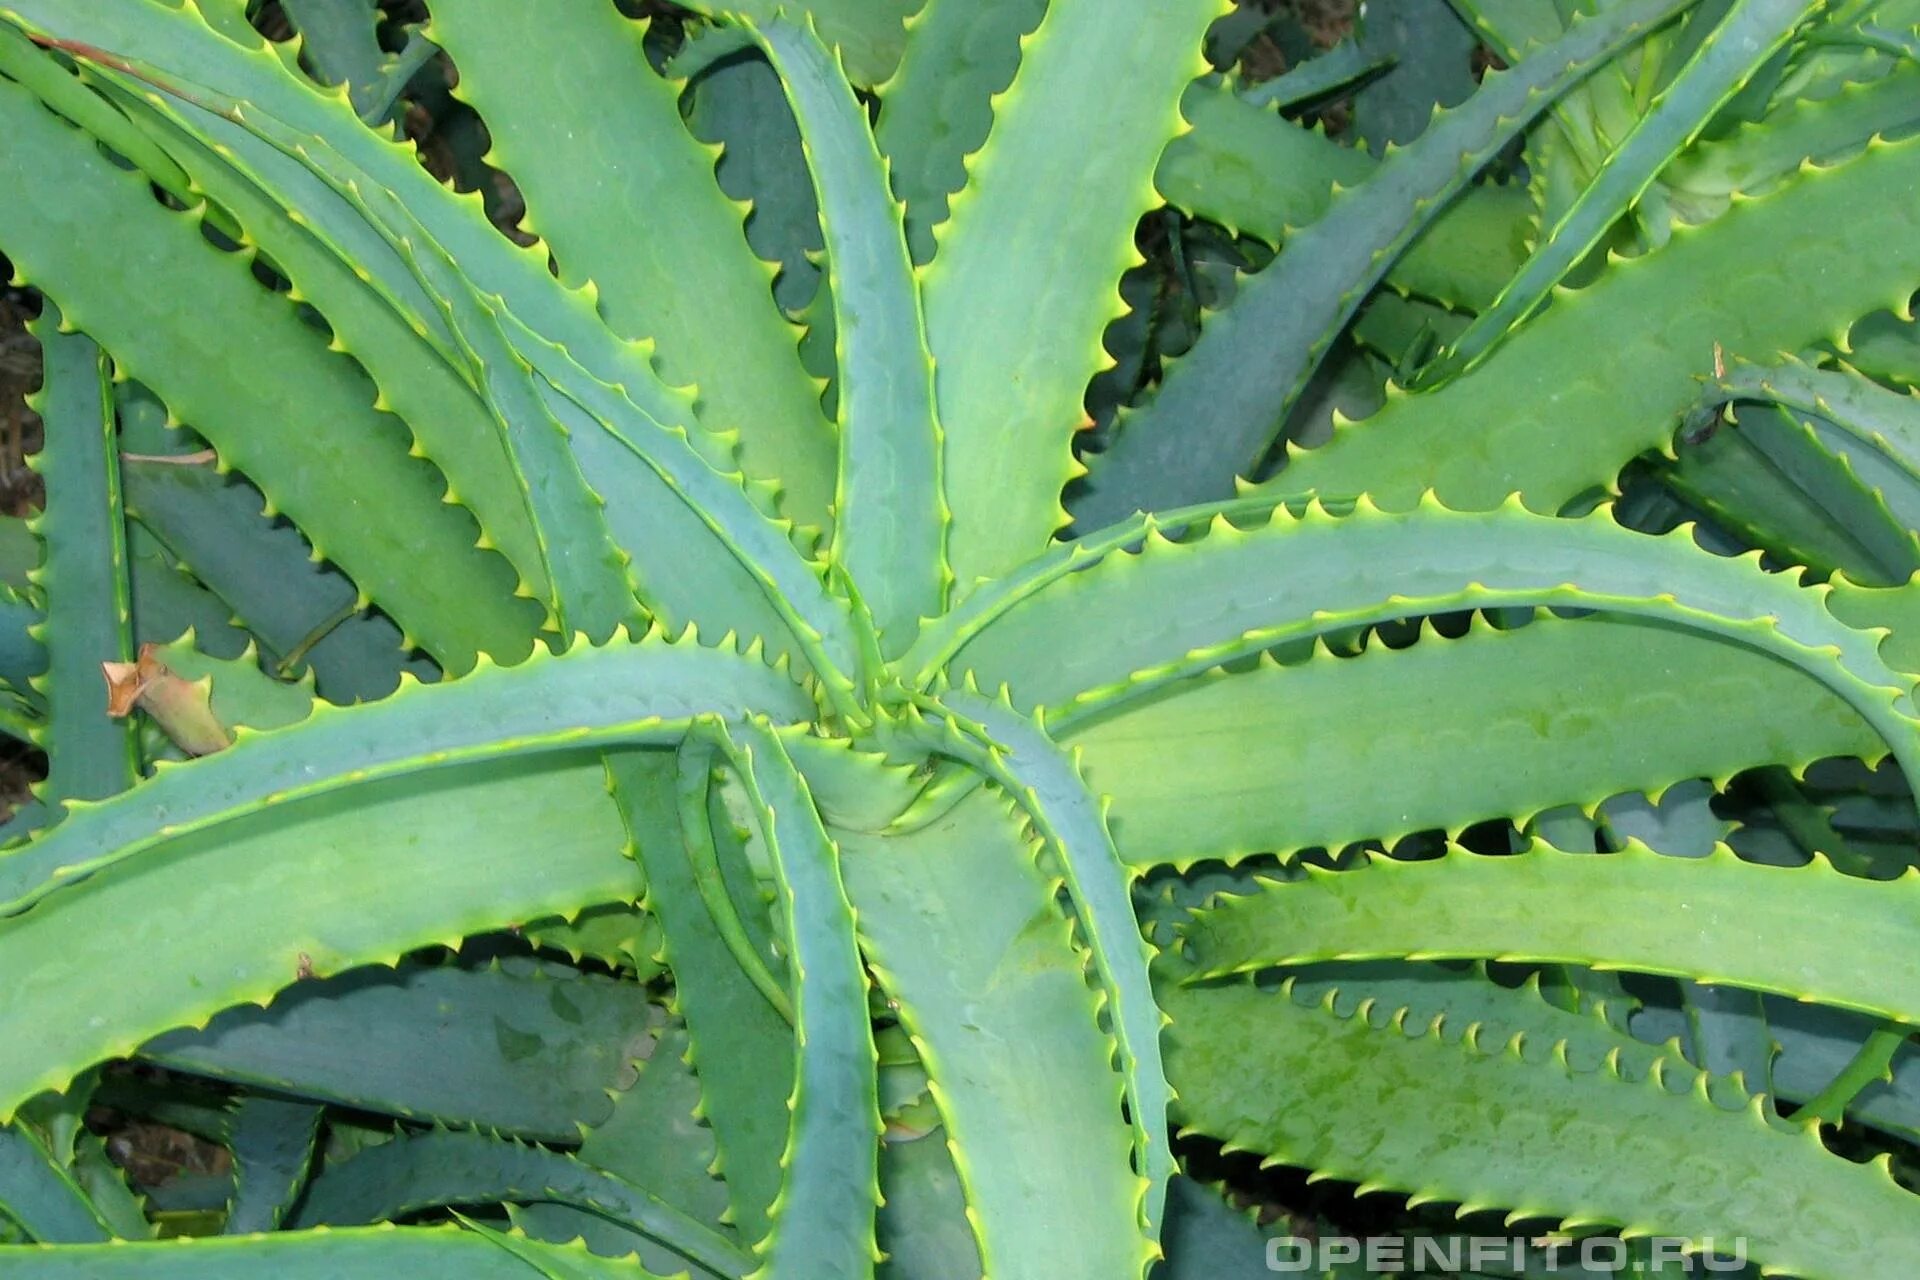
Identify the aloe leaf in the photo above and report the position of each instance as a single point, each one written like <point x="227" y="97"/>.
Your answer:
<point x="1207" y="1238"/>
<point x="1257" y="173"/>
<point x="272" y="1141"/>
<point x="824" y="1216"/>
<point x="341" y="39"/>
<point x="1726" y="922"/>
<point x="540" y="1046"/>
<point x="453" y="851"/>
<point x="37" y="1193"/>
<point x="1260" y="1071"/>
<point x="1426" y="561"/>
<point x="1014" y="364"/>
<point x="1463" y="996"/>
<point x="867" y="34"/>
<point x="83" y="575"/>
<point x="694" y="796"/>
<point x="960" y="928"/>
<point x="1253" y="361"/>
<point x="586" y="585"/>
<point x="442" y="1167"/>
<point x="1815" y="1045"/>
<point x="420" y="1253"/>
<point x="308" y="141"/>
<point x="1017" y="753"/>
<point x="1728" y="1034"/>
<point x="1773" y="482"/>
<point x="549" y="704"/>
<point x="735" y="100"/>
<point x="1432" y="52"/>
<point x="214" y="529"/>
<point x="1875" y="429"/>
<point x="63" y="92"/>
<point x="1771" y="150"/>
<point x="105" y="1183"/>
<point x="415" y="379"/>
<point x="84" y="578"/>
<point x="698" y="293"/>
<point x="936" y="109"/>
<point x="889" y="533"/>
<point x="1605" y="389"/>
<point x="21" y="656"/>
<point x="742" y="1049"/>
<point x="1741" y="44"/>
<point x="923" y="1227"/>
<point x="653" y="1138"/>
<point x="331" y="452"/>
<point x="1446" y="733"/>
<point x="708" y="519"/>
<point x="553" y="329"/>
<point x="1338" y="68"/>
<point x="694" y="574"/>
<point x="346" y="190"/>
<point x="588" y="572"/>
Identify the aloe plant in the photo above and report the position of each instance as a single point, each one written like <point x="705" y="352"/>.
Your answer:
<point x="662" y="742"/>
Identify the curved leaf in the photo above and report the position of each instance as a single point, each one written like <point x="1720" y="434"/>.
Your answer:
<point x="439" y="1167"/>
<point x="1017" y="754"/>
<point x="961" y="929"/>
<point x="1014" y="362"/>
<point x="1258" y="1070"/>
<point x="690" y="284"/>
<point x="83" y="575"/>
<point x="626" y="693"/>
<point x="890" y="530"/>
<point x="1720" y="920"/>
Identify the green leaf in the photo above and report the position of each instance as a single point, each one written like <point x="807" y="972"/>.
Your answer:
<point x="303" y="138"/>
<point x="1254" y="359"/>
<point x="83" y="575"/>
<point x="1258" y="1070"/>
<point x="331" y="454"/>
<point x="1017" y="753"/>
<point x="592" y="594"/>
<point x="868" y="34"/>
<point x="416" y="380"/>
<point x="37" y="1193"/>
<point x="1446" y="733"/>
<point x="923" y="1227"/>
<point x="1723" y="920"/>
<point x="546" y="704"/>
<point x="1876" y="430"/>
<point x="1772" y="481"/>
<point x="1604" y="382"/>
<point x="341" y="40"/>
<point x="1745" y="39"/>
<point x="272" y="1141"/>
<point x="890" y="529"/>
<point x="1014" y="363"/>
<point x="936" y="110"/>
<point x="697" y="291"/>
<point x="823" y="1218"/>
<point x="264" y="574"/>
<point x="1297" y="577"/>
<point x="450" y="856"/>
<point x="653" y="1137"/>
<point x="439" y="1168"/>
<point x="1259" y="174"/>
<point x="960" y="928"/>
<point x="420" y="1253"/>
<point x="538" y="1047"/>
<point x="742" y="1049"/>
